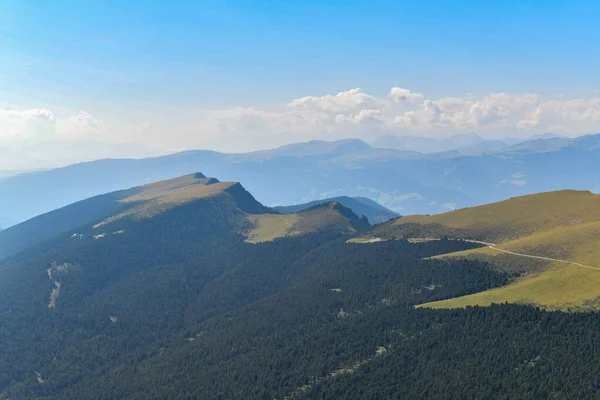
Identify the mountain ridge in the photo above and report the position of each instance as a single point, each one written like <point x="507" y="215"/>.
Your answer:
<point x="405" y="182"/>
<point x="462" y="143"/>
<point x="115" y="211"/>
<point x="135" y="203"/>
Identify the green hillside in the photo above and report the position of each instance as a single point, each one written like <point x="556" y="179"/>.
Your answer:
<point x="563" y="225"/>
<point x="164" y="294"/>
<point x="511" y="219"/>
<point x="115" y="209"/>
<point x="106" y="214"/>
<point x="324" y="217"/>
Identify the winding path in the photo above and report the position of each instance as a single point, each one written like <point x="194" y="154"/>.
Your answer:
<point x="285" y="221"/>
<point x="493" y="246"/>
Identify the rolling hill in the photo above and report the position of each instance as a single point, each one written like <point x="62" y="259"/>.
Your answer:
<point x="514" y="218"/>
<point x="554" y="236"/>
<point x="330" y="216"/>
<point x="373" y="211"/>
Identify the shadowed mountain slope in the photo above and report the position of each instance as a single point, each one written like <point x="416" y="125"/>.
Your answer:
<point x="127" y="205"/>
<point x="158" y="293"/>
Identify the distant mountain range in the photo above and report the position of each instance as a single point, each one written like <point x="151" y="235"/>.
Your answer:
<point x="462" y="143"/>
<point x="406" y="182"/>
<point x="466" y="143"/>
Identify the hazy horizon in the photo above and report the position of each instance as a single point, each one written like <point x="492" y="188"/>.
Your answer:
<point x="105" y="79"/>
<point x="100" y="151"/>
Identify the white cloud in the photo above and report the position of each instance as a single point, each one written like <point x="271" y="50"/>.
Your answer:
<point x="494" y="111"/>
<point x="516" y="182"/>
<point x="565" y="116"/>
<point x="401" y="95"/>
<point x="40" y="124"/>
<point x="80" y="126"/>
<point x="449" y="206"/>
<point x="367" y="116"/>
<point x="18" y="125"/>
<point x="356" y="113"/>
<point x="350" y="113"/>
<point x="408" y="196"/>
<point x="352" y="100"/>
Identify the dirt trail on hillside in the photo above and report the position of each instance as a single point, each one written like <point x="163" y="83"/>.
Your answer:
<point x="285" y="221"/>
<point x="491" y="246"/>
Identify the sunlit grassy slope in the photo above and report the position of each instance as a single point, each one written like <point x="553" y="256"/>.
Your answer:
<point x="332" y="217"/>
<point x="563" y="225"/>
<point x="560" y="287"/>
<point x="516" y="217"/>
<point x="149" y="200"/>
<point x="179" y="190"/>
<point x="269" y="227"/>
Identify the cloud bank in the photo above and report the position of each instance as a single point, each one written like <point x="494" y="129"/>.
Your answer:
<point x="350" y="113"/>
<point x="494" y="113"/>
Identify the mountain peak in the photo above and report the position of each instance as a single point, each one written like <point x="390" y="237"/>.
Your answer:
<point x="156" y="198"/>
<point x="180" y="189"/>
<point x="133" y="205"/>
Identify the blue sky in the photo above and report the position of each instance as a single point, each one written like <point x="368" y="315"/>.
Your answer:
<point x="156" y="62"/>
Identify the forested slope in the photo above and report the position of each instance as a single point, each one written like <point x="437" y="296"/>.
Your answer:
<point x="168" y="299"/>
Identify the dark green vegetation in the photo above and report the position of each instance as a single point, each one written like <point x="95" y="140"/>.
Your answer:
<point x="501" y="352"/>
<point x="176" y="305"/>
<point x="47" y="225"/>
<point x="374" y="212"/>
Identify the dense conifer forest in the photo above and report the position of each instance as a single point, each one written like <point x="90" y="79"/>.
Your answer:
<point x="178" y="306"/>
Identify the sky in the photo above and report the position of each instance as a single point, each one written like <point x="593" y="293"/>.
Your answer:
<point x="84" y="80"/>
